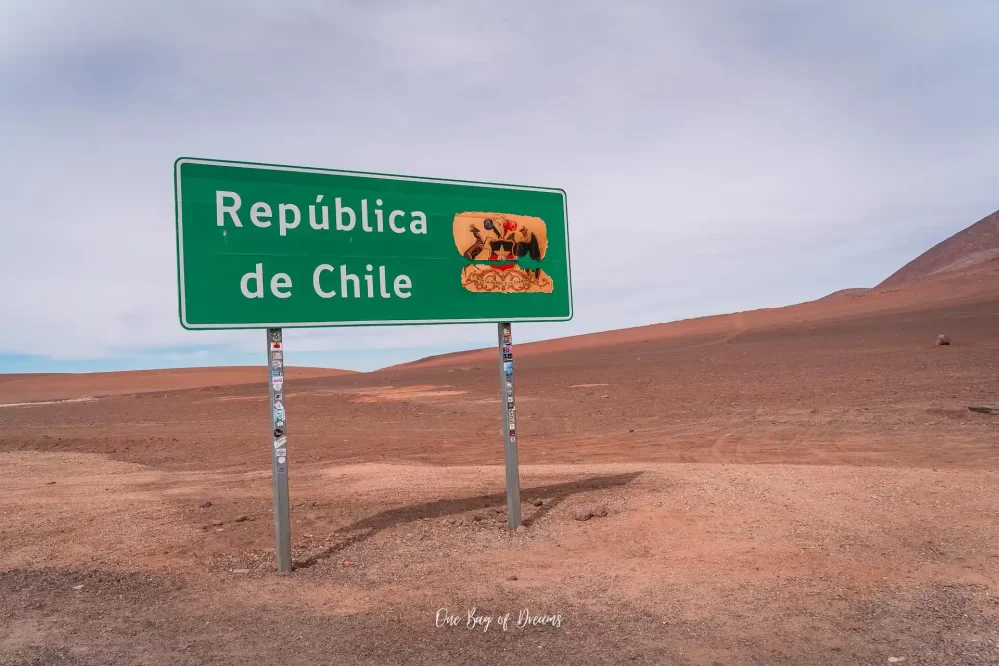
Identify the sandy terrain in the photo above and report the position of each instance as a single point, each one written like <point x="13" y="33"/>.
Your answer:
<point x="794" y="486"/>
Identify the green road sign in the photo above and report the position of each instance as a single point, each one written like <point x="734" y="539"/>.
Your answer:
<point x="267" y="246"/>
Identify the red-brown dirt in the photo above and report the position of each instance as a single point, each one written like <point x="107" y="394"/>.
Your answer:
<point x="795" y="486"/>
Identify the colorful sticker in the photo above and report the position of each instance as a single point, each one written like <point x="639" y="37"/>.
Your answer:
<point x="277" y="383"/>
<point x="275" y="346"/>
<point x="279" y="424"/>
<point x="278" y="432"/>
<point x="279" y="416"/>
<point x="513" y="434"/>
<point x="278" y="406"/>
<point x="508" y="368"/>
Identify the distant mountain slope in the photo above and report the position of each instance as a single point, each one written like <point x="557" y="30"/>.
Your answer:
<point x="846" y="292"/>
<point x="61" y="386"/>
<point x="977" y="244"/>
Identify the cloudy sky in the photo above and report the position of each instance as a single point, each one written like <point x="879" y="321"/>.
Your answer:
<point x="761" y="153"/>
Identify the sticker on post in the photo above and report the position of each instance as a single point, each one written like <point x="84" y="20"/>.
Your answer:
<point x="275" y="335"/>
<point x="278" y="432"/>
<point x="278" y="424"/>
<point x="277" y="355"/>
<point x="281" y="460"/>
<point x="280" y="452"/>
<point x="508" y="368"/>
<point x="278" y="405"/>
<point x="277" y="364"/>
<point x="280" y="442"/>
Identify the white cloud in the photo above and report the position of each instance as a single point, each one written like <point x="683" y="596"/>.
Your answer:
<point x="716" y="155"/>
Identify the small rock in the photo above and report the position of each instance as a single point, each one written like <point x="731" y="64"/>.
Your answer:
<point x="632" y="430"/>
<point x="943" y="340"/>
<point x="446" y="521"/>
<point x="538" y="502"/>
<point x="896" y="660"/>
<point x="242" y="519"/>
<point x="205" y="504"/>
<point x="241" y="571"/>
<point x="513" y="577"/>
<point x="451" y="521"/>
<point x="348" y="563"/>
<point x="585" y="513"/>
<point x="521" y="529"/>
<point x="77" y="587"/>
<point x="983" y="409"/>
<point x="50" y="483"/>
<point x="605" y="396"/>
<point x="477" y="517"/>
<point x="216" y="523"/>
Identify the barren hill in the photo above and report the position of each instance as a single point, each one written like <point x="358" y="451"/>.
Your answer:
<point x="975" y="284"/>
<point x="62" y="386"/>
<point x="975" y="245"/>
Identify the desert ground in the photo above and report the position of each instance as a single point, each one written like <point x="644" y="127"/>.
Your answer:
<point x="803" y="485"/>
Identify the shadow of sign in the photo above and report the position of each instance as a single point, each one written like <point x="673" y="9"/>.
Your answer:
<point x="556" y="493"/>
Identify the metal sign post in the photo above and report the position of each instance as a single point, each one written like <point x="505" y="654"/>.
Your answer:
<point x="279" y="450"/>
<point x="509" y="426"/>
